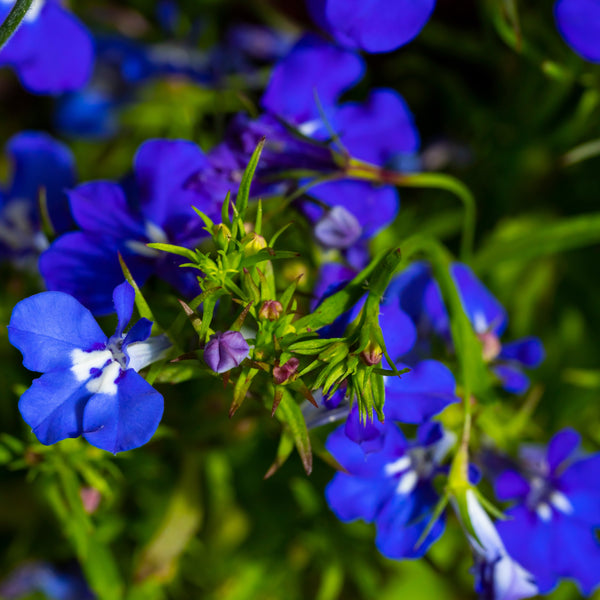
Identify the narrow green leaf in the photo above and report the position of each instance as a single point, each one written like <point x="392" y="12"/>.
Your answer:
<point x="140" y="301"/>
<point x="267" y="254"/>
<point x="13" y="20"/>
<point x="290" y="414"/>
<point x="286" y="445"/>
<point x="172" y="249"/>
<point x="244" y="190"/>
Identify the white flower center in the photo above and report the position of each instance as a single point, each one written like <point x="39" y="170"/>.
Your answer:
<point x="98" y="368"/>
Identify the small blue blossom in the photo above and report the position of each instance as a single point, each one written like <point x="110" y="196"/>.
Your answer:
<point x="90" y="384"/>
<point x="372" y="25"/>
<point x="52" y="51"/>
<point x="497" y="575"/>
<point x="552" y="528"/>
<point x="392" y="487"/>
<point x="157" y="207"/>
<point x="40" y="164"/>
<point x="420" y="296"/>
<point x="579" y="24"/>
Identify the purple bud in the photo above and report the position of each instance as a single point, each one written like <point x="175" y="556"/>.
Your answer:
<point x="271" y="309"/>
<point x="283" y="373"/>
<point x="338" y="228"/>
<point x="225" y="351"/>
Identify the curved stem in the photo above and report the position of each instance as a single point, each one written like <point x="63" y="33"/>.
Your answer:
<point x="13" y="21"/>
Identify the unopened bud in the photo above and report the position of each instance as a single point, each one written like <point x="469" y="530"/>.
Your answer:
<point x="271" y="309"/>
<point x="491" y="345"/>
<point x="222" y="235"/>
<point x="253" y="243"/>
<point x="282" y="373"/>
<point x="372" y="354"/>
<point x="225" y="351"/>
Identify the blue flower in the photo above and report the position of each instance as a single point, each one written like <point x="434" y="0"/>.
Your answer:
<point x="372" y="25"/>
<point x="90" y="385"/>
<point x="497" y="575"/>
<point x="304" y="90"/>
<point x="489" y="320"/>
<point x="552" y="529"/>
<point x="579" y="24"/>
<point x="392" y="487"/>
<point x="54" y="583"/>
<point x="52" y="51"/>
<point x="40" y="163"/>
<point x="157" y="208"/>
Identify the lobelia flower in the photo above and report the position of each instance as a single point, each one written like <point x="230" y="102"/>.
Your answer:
<point x="497" y="575"/>
<point x="392" y="487"/>
<point x="578" y="22"/>
<point x="552" y="528"/>
<point x="225" y="351"/>
<point x="157" y="207"/>
<point x="90" y="384"/>
<point x="51" y="51"/>
<point x="372" y="25"/>
<point x="487" y="315"/>
<point x="40" y="163"/>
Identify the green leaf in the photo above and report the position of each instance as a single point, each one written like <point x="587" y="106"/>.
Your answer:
<point x="172" y="249"/>
<point x="523" y="239"/>
<point x="13" y="20"/>
<point x="286" y="445"/>
<point x="290" y="414"/>
<point x="140" y="302"/>
<point x="180" y="522"/>
<point x="244" y="190"/>
<point x="267" y="254"/>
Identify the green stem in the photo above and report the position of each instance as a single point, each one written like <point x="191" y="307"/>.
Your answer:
<point x="13" y="20"/>
<point x="360" y="170"/>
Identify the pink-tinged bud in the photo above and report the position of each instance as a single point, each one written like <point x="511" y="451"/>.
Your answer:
<point x="271" y="309"/>
<point x="90" y="498"/>
<point x="283" y="373"/>
<point x="491" y="345"/>
<point x="372" y="354"/>
<point x="225" y="351"/>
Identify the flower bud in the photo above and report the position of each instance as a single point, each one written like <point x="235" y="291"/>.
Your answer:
<point x="222" y="235"/>
<point x="284" y="372"/>
<point x="225" y="351"/>
<point x="372" y="354"/>
<point x="271" y="309"/>
<point x="253" y="243"/>
<point x="338" y="228"/>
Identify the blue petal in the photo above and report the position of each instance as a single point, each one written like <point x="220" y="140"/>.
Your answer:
<point x="530" y="542"/>
<point x="483" y="310"/>
<point x="379" y="129"/>
<point x="125" y="420"/>
<point x="409" y="287"/>
<point x="312" y="67"/>
<point x="162" y="168"/>
<point x="420" y="394"/>
<point x="561" y="446"/>
<point x="63" y="55"/>
<point x="88" y="268"/>
<point x="403" y="520"/>
<point x="377" y="25"/>
<point x="369" y="435"/>
<point x="123" y="299"/>
<point x="53" y="406"/>
<point x="100" y="208"/>
<point x="579" y="24"/>
<point x="352" y="498"/>
<point x="138" y="333"/>
<point x="47" y="327"/>
<point x="399" y="332"/>
<point x="513" y="379"/>
<point x="511" y="485"/>
<point x="42" y="162"/>
<point x="373" y="206"/>
<point x="528" y="351"/>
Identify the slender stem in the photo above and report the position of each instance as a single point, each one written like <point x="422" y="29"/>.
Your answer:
<point x="360" y="170"/>
<point x="13" y="20"/>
